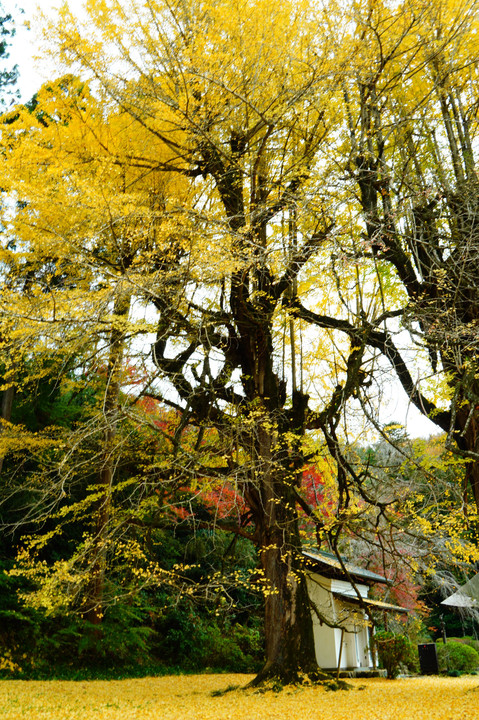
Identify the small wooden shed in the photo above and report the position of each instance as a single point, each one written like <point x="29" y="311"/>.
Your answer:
<point x="342" y="631"/>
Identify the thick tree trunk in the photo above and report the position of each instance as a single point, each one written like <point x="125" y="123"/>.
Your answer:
<point x="6" y="413"/>
<point x="289" y="642"/>
<point x="467" y="421"/>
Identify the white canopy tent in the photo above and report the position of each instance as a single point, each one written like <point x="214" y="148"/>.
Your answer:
<point x="467" y="596"/>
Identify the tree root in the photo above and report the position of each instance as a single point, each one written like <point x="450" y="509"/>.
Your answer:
<point x="275" y="680"/>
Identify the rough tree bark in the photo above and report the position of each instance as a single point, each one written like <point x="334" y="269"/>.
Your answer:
<point x="6" y="413"/>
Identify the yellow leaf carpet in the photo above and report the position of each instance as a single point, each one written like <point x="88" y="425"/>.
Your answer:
<point x="190" y="698"/>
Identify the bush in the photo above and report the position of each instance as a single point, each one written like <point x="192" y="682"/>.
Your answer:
<point x="195" y="641"/>
<point x="395" y="651"/>
<point x="457" y="656"/>
<point x="466" y="640"/>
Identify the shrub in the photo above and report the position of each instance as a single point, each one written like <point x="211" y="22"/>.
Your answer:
<point x="194" y="641"/>
<point x="457" y="656"/>
<point x="395" y="651"/>
<point x="466" y="640"/>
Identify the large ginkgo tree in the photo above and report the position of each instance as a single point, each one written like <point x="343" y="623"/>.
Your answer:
<point x="280" y="185"/>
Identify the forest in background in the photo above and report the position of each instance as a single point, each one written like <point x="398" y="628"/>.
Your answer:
<point x="226" y="233"/>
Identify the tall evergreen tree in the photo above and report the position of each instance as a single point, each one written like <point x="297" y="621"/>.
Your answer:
<point x="8" y="74"/>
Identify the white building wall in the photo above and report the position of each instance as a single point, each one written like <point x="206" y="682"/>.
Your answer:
<point x="327" y="640"/>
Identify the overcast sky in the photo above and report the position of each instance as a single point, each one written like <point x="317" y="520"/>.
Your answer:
<point x="25" y="44"/>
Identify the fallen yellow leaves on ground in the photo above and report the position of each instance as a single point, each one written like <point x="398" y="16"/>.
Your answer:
<point x="190" y="698"/>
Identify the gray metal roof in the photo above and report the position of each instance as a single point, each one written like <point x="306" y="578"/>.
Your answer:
<point x="324" y="562"/>
<point x="375" y="604"/>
